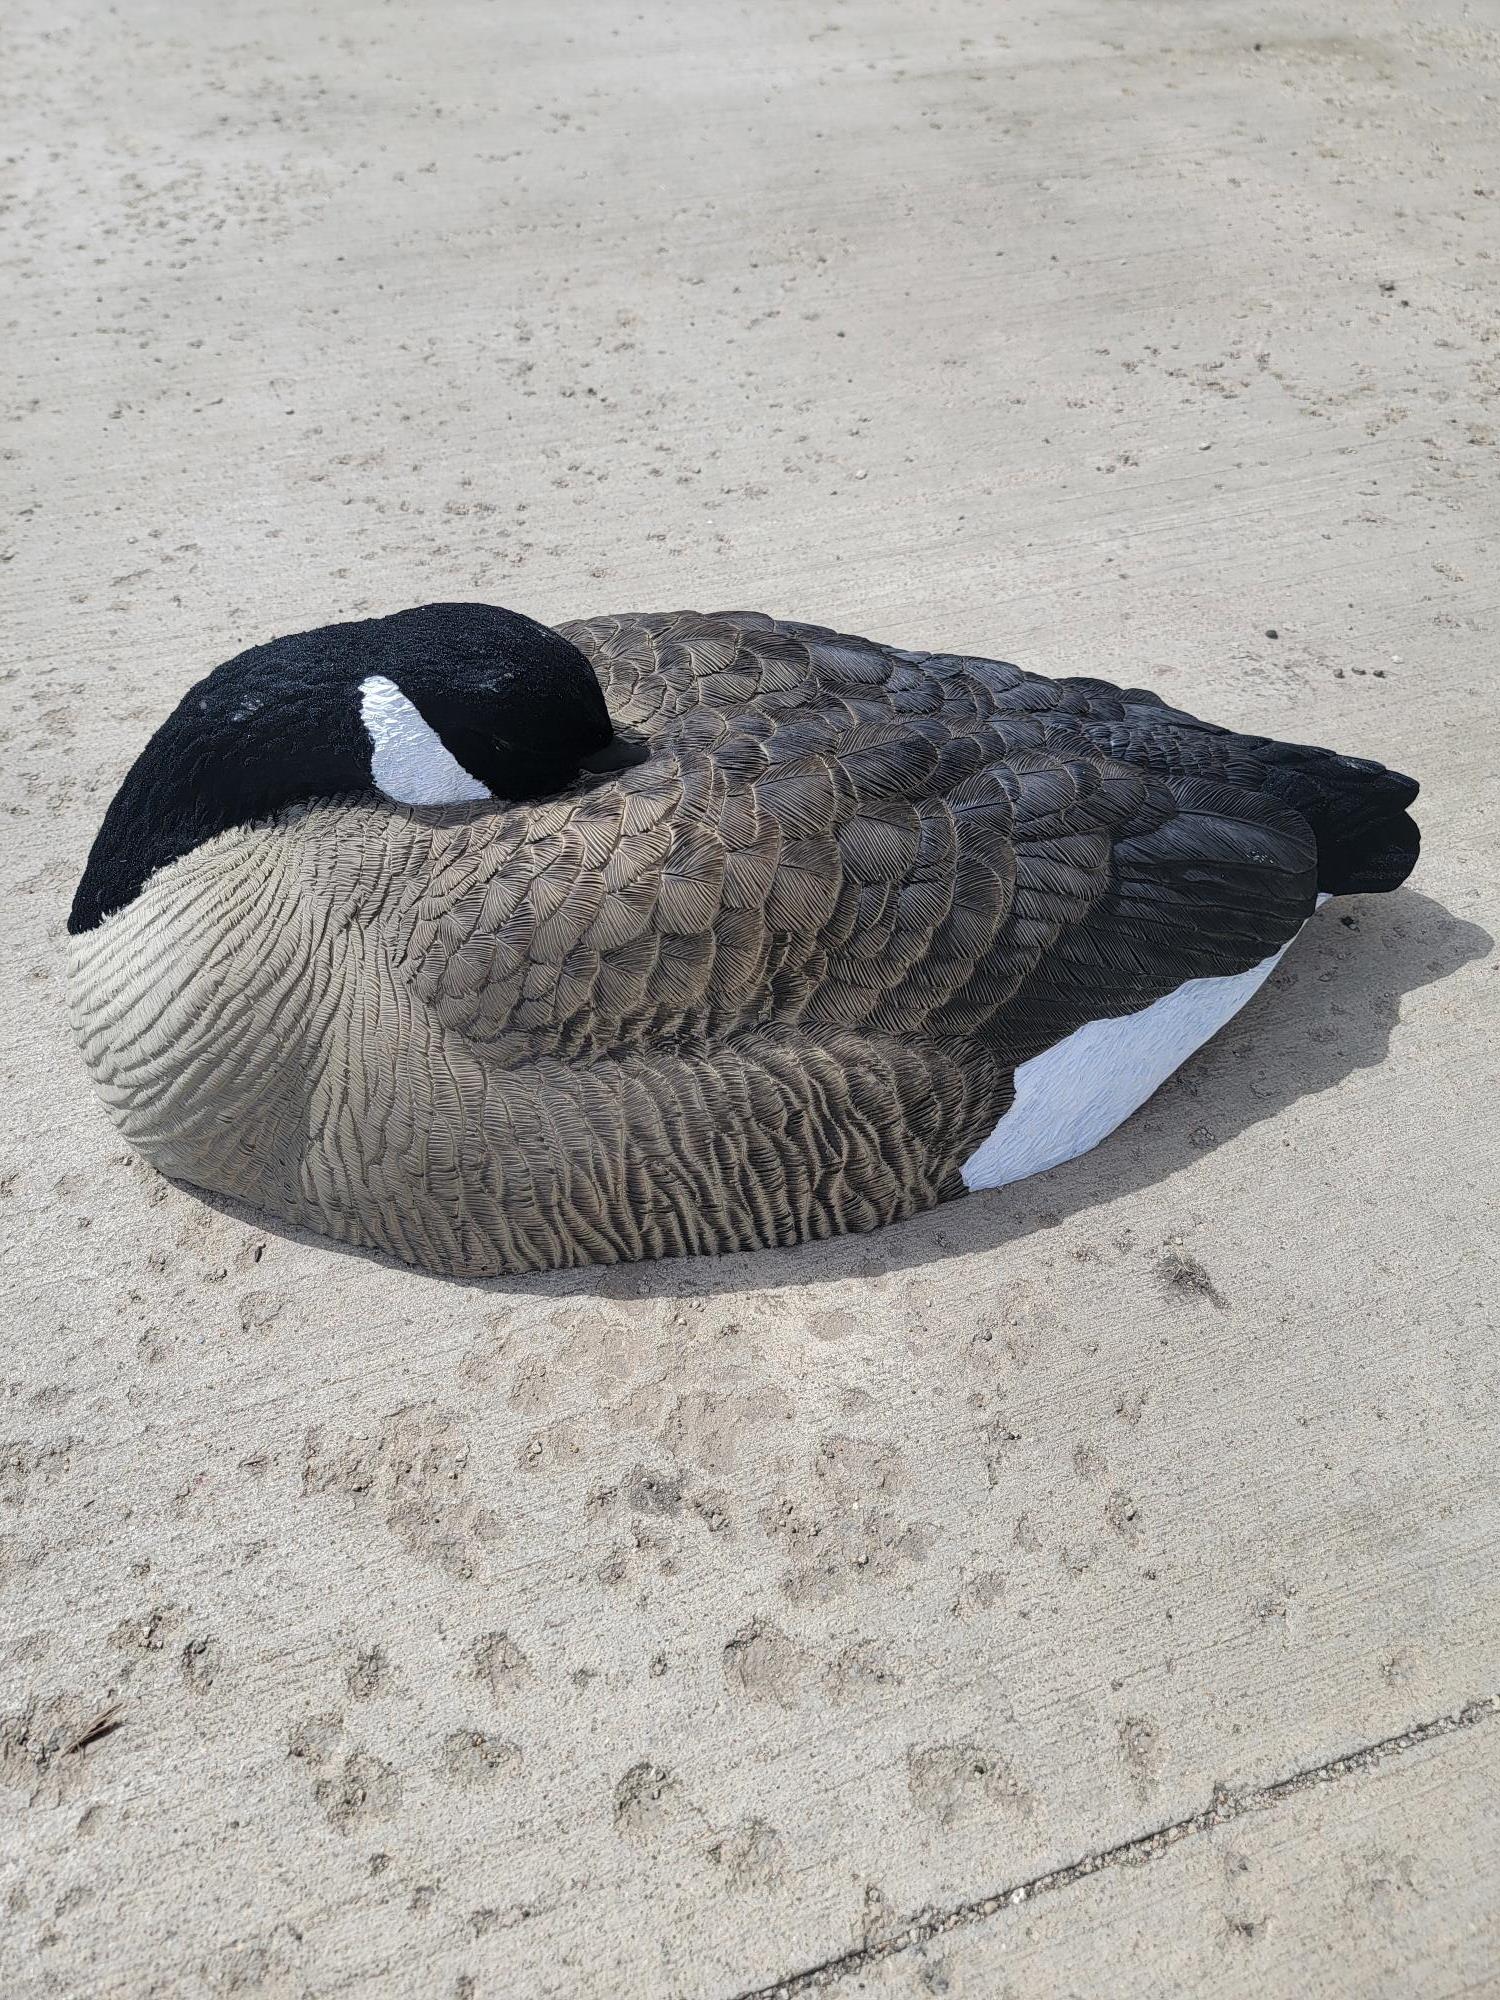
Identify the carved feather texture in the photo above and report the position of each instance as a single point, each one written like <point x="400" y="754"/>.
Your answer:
<point x="769" y="985"/>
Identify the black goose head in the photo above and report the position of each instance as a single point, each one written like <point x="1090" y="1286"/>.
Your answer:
<point x="432" y="706"/>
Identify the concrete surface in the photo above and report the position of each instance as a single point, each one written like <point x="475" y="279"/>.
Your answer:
<point x="1381" y="1882"/>
<point x="721" y="1629"/>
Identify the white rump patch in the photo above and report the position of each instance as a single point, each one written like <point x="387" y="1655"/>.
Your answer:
<point x="409" y="761"/>
<point x="1075" y="1093"/>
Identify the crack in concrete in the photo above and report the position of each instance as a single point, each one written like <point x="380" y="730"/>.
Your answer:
<point x="1223" y="1807"/>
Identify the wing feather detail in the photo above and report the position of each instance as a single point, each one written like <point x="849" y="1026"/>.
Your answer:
<point x="830" y="834"/>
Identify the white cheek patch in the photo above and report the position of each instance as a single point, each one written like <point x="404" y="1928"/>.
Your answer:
<point x="1075" y="1093"/>
<point x="409" y="761"/>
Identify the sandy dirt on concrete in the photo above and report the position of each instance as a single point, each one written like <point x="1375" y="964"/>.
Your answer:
<point x="1090" y="1587"/>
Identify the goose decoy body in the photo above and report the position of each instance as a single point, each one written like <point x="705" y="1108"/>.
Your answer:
<point x="500" y="948"/>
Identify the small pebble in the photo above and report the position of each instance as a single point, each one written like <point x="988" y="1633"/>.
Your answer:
<point x="1272" y="633"/>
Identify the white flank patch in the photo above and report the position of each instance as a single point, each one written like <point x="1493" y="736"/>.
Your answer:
<point x="1075" y="1093"/>
<point x="409" y="761"/>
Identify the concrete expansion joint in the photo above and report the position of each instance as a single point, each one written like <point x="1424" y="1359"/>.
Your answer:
<point x="1225" y="1805"/>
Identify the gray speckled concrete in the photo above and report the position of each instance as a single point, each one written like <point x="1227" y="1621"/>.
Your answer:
<point x="683" y="1630"/>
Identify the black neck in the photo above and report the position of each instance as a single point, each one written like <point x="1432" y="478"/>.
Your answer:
<point x="186" y="787"/>
<point x="515" y="703"/>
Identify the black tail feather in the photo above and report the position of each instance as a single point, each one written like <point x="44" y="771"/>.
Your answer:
<point x="1381" y="859"/>
<point x="1356" y="808"/>
<point x="1367" y="840"/>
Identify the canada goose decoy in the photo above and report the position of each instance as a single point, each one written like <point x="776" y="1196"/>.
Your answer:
<point x="501" y="948"/>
